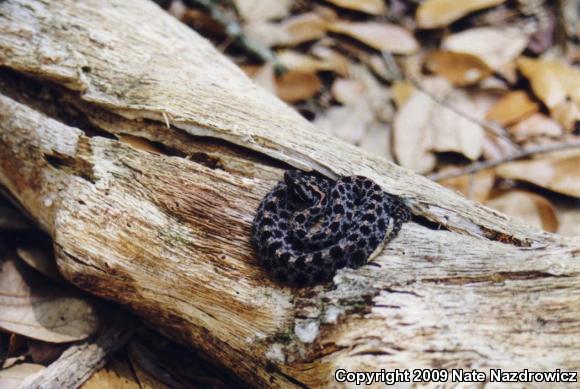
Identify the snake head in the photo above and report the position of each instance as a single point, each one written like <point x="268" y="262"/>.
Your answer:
<point x="303" y="187"/>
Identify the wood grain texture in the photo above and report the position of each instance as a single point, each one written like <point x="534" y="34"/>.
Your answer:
<point x="167" y="234"/>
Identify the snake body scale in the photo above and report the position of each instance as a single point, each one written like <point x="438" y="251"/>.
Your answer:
<point x="307" y="227"/>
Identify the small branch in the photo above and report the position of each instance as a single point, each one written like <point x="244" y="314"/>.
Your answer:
<point x="234" y="31"/>
<point x="477" y="166"/>
<point x="79" y="362"/>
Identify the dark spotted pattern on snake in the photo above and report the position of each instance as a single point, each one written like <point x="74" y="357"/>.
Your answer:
<point x="308" y="226"/>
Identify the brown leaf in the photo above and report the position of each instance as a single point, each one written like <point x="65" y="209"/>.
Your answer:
<point x="366" y="110"/>
<point x="262" y="10"/>
<point x="347" y="91"/>
<point x="118" y="373"/>
<point x="559" y="172"/>
<point x="372" y="7"/>
<point x="141" y="144"/>
<point x="567" y="113"/>
<point x="303" y="28"/>
<point x="551" y="81"/>
<point x="494" y="46"/>
<point x="413" y="135"/>
<point x="197" y="19"/>
<point x="347" y="122"/>
<point x="40" y="259"/>
<point x="454" y="132"/>
<point x="512" y="108"/>
<point x="295" y="61"/>
<point x="16" y="349"/>
<point x="557" y="85"/>
<point x="267" y="33"/>
<point x="534" y="126"/>
<point x="13" y="377"/>
<point x="295" y="86"/>
<point x="441" y="13"/>
<point x="476" y="187"/>
<point x="569" y="217"/>
<point x="422" y="125"/>
<point x="530" y="208"/>
<point x="291" y="32"/>
<point x="337" y="62"/>
<point x="263" y="76"/>
<point x="34" y="307"/>
<point x="402" y="90"/>
<point x="377" y="140"/>
<point x="459" y="68"/>
<point x="45" y="353"/>
<point x="379" y="36"/>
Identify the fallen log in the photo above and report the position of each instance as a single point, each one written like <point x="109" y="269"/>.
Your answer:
<point x="144" y="153"/>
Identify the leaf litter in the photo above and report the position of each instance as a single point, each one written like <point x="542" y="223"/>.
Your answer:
<point x="445" y="88"/>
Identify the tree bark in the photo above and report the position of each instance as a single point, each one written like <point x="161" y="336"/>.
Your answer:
<point x="144" y="153"/>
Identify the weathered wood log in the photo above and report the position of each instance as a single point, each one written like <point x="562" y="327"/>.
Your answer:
<point x="167" y="234"/>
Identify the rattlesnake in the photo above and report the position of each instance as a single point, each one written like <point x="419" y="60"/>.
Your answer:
<point x="308" y="226"/>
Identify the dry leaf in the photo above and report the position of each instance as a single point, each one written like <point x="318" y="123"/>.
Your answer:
<point x="454" y="132"/>
<point x="262" y="10"/>
<point x="494" y="46"/>
<point x="493" y="84"/>
<point x="45" y="353"/>
<point x="459" y="68"/>
<point x="117" y="374"/>
<point x="367" y="107"/>
<point x="379" y="36"/>
<point x="367" y="90"/>
<point x="267" y="33"/>
<point x="413" y="136"/>
<point x="422" y="125"/>
<point x="294" y="31"/>
<point x="141" y="144"/>
<point x="567" y="113"/>
<point x="13" y="377"/>
<point x="347" y="91"/>
<point x="512" y="108"/>
<point x="377" y="140"/>
<point x="40" y="259"/>
<point x="294" y="86"/>
<point x="559" y="172"/>
<point x="347" y="122"/>
<point x="33" y="307"/>
<point x="402" y="90"/>
<point x="536" y="125"/>
<point x="294" y="61"/>
<point x="337" y="62"/>
<point x="551" y="81"/>
<point x="303" y="28"/>
<point x="476" y="187"/>
<point x="557" y="85"/>
<point x="263" y="76"/>
<point x="569" y="216"/>
<point x="441" y="13"/>
<point x="373" y="7"/>
<point x="530" y="208"/>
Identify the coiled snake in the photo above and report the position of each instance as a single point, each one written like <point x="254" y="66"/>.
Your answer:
<point x="308" y="227"/>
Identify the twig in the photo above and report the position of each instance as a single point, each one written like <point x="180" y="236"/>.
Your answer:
<point x="234" y="31"/>
<point x="477" y="166"/>
<point x="79" y="362"/>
